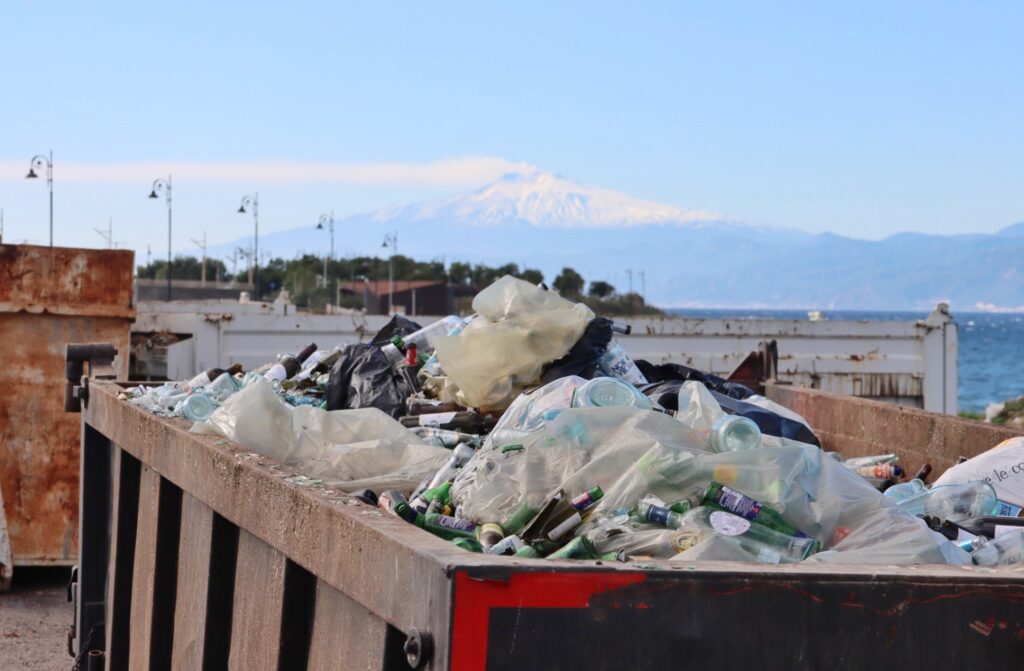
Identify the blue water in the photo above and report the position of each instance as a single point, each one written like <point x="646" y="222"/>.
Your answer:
<point x="991" y="348"/>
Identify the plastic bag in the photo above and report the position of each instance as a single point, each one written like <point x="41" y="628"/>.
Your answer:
<point x="398" y="326"/>
<point x="1002" y="467"/>
<point x="363" y="377"/>
<point x="350" y="449"/>
<point x="674" y="371"/>
<point x="631" y="453"/>
<point x="519" y="329"/>
<point x="704" y="407"/>
<point x="584" y="358"/>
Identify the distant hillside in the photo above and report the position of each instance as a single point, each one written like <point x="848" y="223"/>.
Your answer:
<point x="690" y="257"/>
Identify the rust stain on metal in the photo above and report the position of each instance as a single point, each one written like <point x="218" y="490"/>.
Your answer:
<point x="61" y="296"/>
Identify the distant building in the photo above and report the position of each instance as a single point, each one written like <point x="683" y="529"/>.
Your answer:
<point x="411" y="297"/>
<point x="189" y="290"/>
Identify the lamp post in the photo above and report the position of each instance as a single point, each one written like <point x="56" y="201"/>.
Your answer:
<point x="391" y="241"/>
<point x="253" y="201"/>
<point x="164" y="186"/>
<point x="41" y="161"/>
<point x="329" y="220"/>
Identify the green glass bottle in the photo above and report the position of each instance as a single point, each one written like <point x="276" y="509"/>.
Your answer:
<point x="720" y="497"/>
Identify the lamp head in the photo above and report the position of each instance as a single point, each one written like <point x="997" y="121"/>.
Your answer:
<point x="31" y="174"/>
<point x="152" y="194"/>
<point x="320" y="226"/>
<point x="241" y="209"/>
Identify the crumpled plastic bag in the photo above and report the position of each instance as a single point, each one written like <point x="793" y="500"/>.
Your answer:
<point x="519" y="329"/>
<point x="347" y="449"/>
<point x="631" y="453"/>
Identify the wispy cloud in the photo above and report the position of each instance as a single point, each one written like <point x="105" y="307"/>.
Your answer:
<point x="467" y="170"/>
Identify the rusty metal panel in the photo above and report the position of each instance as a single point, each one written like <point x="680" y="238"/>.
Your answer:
<point x="48" y="298"/>
<point x="861" y="427"/>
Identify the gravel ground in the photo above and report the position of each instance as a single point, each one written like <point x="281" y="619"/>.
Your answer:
<point x="34" y="620"/>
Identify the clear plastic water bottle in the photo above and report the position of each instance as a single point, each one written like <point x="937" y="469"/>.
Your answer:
<point x="905" y="490"/>
<point x="197" y="407"/>
<point x="734" y="432"/>
<point x="954" y="502"/>
<point x="603" y="392"/>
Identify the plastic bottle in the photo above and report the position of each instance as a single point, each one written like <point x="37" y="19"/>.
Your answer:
<point x="197" y="407"/>
<point x="954" y="502"/>
<point x="603" y="392"/>
<point x="460" y="455"/>
<point x="905" y="490"/>
<point x="222" y="388"/>
<point x="425" y="338"/>
<point x="616" y="363"/>
<point x="734" y="432"/>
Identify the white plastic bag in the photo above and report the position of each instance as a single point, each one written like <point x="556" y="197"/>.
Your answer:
<point x="519" y="329"/>
<point x="1002" y="467"/>
<point x="347" y="449"/>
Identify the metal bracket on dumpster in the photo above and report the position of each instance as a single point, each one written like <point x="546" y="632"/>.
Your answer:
<point x="760" y="365"/>
<point x="100" y="357"/>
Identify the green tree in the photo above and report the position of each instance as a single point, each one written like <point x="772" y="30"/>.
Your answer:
<point x="460" y="273"/>
<point x="569" y="282"/>
<point x="600" y="289"/>
<point x="532" y="275"/>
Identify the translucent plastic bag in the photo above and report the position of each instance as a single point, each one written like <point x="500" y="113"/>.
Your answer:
<point x="347" y="449"/>
<point x="520" y="328"/>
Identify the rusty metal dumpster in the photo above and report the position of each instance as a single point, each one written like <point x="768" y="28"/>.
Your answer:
<point x="199" y="554"/>
<point x="49" y="297"/>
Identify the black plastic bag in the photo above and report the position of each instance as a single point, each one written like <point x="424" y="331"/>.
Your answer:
<point x="585" y="356"/>
<point x="675" y="371"/>
<point x="398" y="326"/>
<point x="666" y="394"/>
<point x="363" y="377"/>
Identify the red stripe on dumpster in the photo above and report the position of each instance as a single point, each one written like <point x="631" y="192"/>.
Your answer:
<point x="475" y="597"/>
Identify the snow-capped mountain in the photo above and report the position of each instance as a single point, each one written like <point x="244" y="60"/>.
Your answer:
<point x="545" y="199"/>
<point x="689" y="257"/>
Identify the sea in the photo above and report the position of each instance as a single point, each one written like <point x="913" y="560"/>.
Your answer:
<point x="990" y="356"/>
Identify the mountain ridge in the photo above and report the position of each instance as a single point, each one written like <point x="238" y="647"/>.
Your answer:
<point x="689" y="257"/>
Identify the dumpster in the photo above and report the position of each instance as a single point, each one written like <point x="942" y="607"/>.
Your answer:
<point x="197" y="553"/>
<point x="50" y="296"/>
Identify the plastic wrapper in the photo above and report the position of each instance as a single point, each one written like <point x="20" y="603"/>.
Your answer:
<point x="677" y="372"/>
<point x="350" y="449"/>
<point x="363" y="377"/>
<point x="520" y="328"/>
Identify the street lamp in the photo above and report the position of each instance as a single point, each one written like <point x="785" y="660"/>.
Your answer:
<point x="164" y="186"/>
<point x="253" y="201"/>
<point x="41" y="161"/>
<point x="391" y="241"/>
<point x="329" y="220"/>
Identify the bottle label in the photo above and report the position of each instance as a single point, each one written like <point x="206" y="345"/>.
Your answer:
<point x="436" y="419"/>
<point x="1008" y="509"/>
<point x="454" y="523"/>
<point x="658" y="515"/>
<point x="565" y="527"/>
<point x="738" y="504"/>
<point x="728" y="524"/>
<point x="508" y="545"/>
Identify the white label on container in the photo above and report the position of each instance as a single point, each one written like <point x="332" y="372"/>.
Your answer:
<point x="767" y="556"/>
<point x="436" y="419"/>
<point x="728" y="524"/>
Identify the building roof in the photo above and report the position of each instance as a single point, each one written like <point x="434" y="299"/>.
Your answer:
<point x="381" y="288"/>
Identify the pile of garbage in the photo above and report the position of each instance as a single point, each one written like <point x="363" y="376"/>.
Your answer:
<point x="527" y="430"/>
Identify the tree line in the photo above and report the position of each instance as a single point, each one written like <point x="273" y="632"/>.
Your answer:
<point x="303" y="278"/>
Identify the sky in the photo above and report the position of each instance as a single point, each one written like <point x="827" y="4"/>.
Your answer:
<point x="863" y="119"/>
